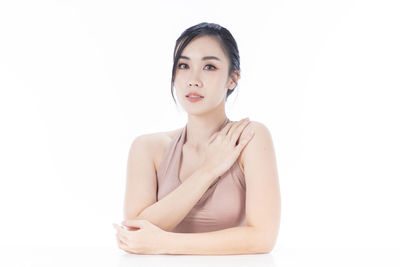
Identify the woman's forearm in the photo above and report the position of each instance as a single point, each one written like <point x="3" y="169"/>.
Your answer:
<point x="169" y="211"/>
<point x="235" y="240"/>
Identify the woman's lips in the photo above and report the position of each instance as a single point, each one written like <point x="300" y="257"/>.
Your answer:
<point x="194" y="99"/>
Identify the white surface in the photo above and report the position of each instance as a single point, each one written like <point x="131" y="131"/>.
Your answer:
<point x="110" y="257"/>
<point x="79" y="80"/>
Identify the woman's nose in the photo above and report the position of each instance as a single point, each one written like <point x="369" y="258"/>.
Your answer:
<point x="196" y="83"/>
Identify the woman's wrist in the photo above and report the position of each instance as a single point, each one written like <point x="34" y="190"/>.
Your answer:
<point x="209" y="172"/>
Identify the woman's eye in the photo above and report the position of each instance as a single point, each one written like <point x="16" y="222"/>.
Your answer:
<point x="185" y="65"/>
<point x="213" y="68"/>
<point x="179" y="65"/>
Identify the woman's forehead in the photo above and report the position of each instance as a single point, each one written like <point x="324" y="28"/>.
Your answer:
<point x="203" y="46"/>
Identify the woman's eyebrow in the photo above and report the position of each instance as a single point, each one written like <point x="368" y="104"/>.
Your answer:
<point x="204" y="58"/>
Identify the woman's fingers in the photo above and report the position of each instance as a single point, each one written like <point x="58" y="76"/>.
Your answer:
<point x="123" y="246"/>
<point x="235" y="132"/>
<point x="222" y="132"/>
<point x="121" y="234"/>
<point x="212" y="137"/>
<point x="244" y="140"/>
<point x="226" y="128"/>
<point x="229" y="129"/>
<point x="120" y="242"/>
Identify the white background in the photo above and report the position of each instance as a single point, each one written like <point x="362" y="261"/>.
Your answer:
<point x="79" y="80"/>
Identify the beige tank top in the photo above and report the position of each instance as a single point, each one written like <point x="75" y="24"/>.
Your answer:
<point x="221" y="206"/>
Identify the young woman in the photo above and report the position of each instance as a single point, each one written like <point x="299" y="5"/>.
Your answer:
<point x="212" y="186"/>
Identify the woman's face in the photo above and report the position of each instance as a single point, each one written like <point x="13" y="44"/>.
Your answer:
<point x="205" y="76"/>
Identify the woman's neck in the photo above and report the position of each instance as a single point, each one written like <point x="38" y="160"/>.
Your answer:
<point x="200" y="129"/>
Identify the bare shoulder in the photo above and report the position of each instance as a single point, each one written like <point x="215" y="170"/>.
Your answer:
<point x="157" y="143"/>
<point x="258" y="127"/>
<point x="261" y="135"/>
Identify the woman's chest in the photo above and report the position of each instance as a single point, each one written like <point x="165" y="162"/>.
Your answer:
<point x="190" y="162"/>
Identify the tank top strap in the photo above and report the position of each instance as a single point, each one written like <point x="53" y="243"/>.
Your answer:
<point x="171" y="155"/>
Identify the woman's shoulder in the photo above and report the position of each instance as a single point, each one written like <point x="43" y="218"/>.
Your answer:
<point x="261" y="133"/>
<point x="158" y="142"/>
<point x="257" y="127"/>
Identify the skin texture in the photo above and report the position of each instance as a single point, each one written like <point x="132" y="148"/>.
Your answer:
<point x="257" y="157"/>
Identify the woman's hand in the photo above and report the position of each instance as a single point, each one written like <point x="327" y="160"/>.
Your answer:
<point x="145" y="238"/>
<point x="223" y="148"/>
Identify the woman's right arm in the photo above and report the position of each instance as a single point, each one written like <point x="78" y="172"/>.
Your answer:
<point x="141" y="189"/>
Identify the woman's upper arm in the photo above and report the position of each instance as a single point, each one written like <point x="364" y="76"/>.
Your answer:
<point x="141" y="179"/>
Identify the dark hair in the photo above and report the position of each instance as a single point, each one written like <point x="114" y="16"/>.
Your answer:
<point x="224" y="37"/>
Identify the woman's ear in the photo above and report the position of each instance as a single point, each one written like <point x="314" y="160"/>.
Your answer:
<point x="234" y="78"/>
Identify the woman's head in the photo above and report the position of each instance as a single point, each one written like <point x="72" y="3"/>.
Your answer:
<point x="214" y="77"/>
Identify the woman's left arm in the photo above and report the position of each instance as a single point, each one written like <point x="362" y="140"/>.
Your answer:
<point x="235" y="240"/>
<point x="262" y="207"/>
